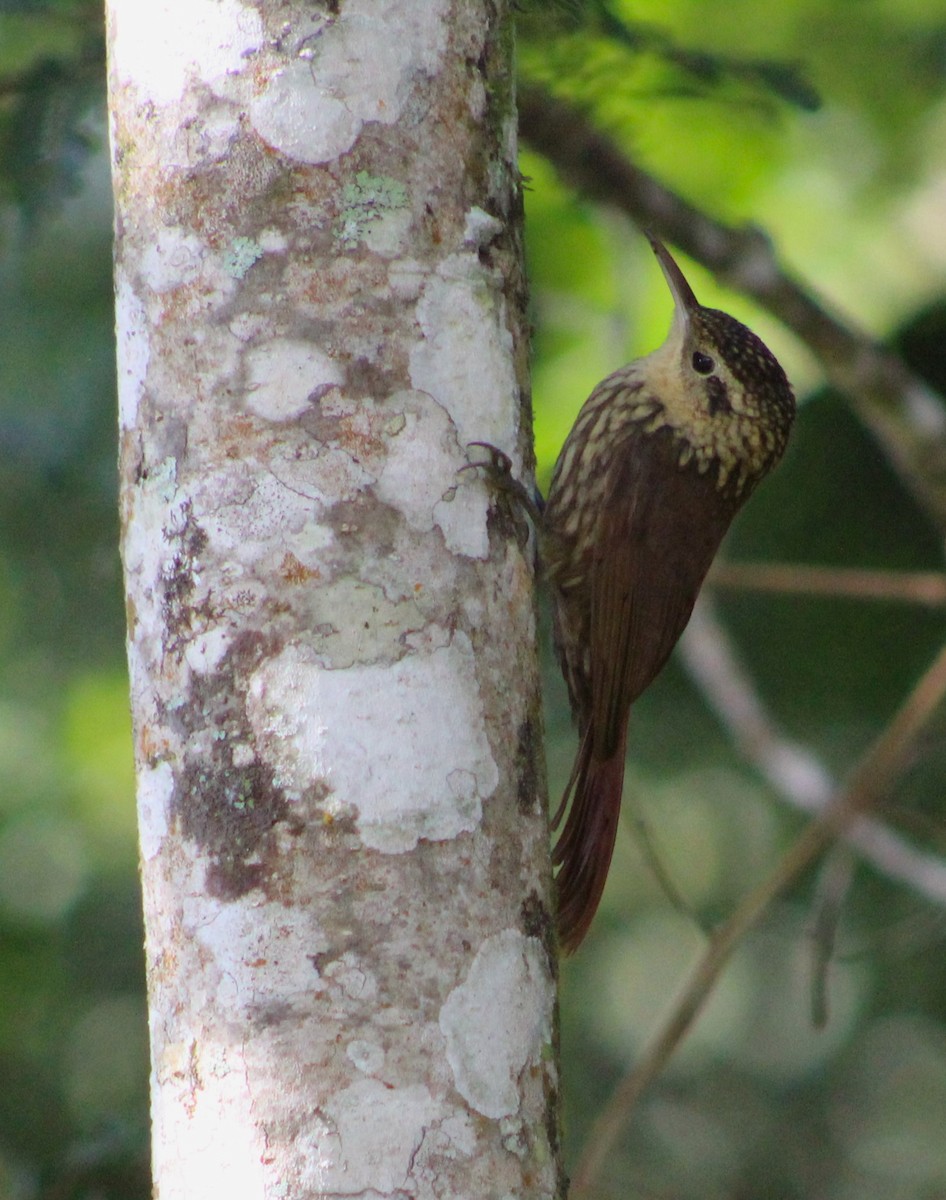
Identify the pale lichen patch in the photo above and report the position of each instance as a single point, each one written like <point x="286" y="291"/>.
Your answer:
<point x="282" y="375"/>
<point x="400" y="717"/>
<point x="461" y="515"/>
<point x="377" y="1131"/>
<point x="369" y="54"/>
<point x="480" y="228"/>
<point x="208" y="649"/>
<point x="497" y="1021"/>
<point x="155" y="790"/>
<point x="133" y="349"/>
<point x="161" y="45"/>
<point x="208" y="1115"/>
<point x="464" y="358"/>
<point x="244" y="511"/>
<point x="351" y="975"/>
<point x="406" y="278"/>
<point x="355" y="622"/>
<point x="422" y="477"/>
<point x="172" y="260"/>
<point x="246" y="935"/>
<point x="240" y="255"/>
<point x="374" y="212"/>
<point x="367" y="1057"/>
<point x="156" y="512"/>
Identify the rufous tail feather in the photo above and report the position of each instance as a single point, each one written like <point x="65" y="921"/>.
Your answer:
<point x="585" y="846"/>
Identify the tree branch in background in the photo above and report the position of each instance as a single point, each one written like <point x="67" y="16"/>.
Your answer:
<point x="791" y="770"/>
<point x="905" y="414"/>
<point x="926" y="588"/>
<point x="868" y="783"/>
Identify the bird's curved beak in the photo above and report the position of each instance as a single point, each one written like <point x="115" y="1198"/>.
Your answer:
<point x="684" y="301"/>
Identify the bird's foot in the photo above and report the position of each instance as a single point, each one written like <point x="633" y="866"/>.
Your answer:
<point x="497" y="471"/>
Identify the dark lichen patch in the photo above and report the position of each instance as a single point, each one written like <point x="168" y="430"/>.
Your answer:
<point x="526" y="750"/>
<point x="230" y="812"/>
<point x="537" y="922"/>
<point x="231" y="880"/>
<point x="348" y="518"/>
<point x="354" y="523"/>
<point x="276" y="1013"/>
<point x="533" y="915"/>
<point x="178" y="579"/>
<point x="227" y="800"/>
<point x="553" y="1130"/>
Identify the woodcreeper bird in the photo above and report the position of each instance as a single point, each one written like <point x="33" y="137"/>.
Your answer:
<point x="662" y="455"/>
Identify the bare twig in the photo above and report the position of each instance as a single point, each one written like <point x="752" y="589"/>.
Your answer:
<point x="793" y="771"/>
<point x="870" y="780"/>
<point x="906" y="415"/>
<point x="927" y="588"/>
<point x="834" y="883"/>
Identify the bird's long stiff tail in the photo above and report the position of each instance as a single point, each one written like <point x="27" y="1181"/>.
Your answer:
<point x="584" y="847"/>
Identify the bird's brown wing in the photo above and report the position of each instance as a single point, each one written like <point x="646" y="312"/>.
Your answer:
<point x="658" y="528"/>
<point x="658" y="533"/>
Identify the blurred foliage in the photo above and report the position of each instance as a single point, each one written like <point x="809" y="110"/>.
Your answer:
<point x="51" y="54"/>
<point x="759" y="1103"/>
<point x="826" y="124"/>
<point x="690" y="70"/>
<point x="73" y="1040"/>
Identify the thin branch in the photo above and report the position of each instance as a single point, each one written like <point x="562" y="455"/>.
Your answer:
<point x="796" y="774"/>
<point x="835" y="879"/>
<point x="905" y="414"/>
<point x="869" y="782"/>
<point x="926" y="588"/>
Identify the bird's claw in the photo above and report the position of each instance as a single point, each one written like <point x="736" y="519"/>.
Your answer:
<point x="497" y="468"/>
<point x="498" y="464"/>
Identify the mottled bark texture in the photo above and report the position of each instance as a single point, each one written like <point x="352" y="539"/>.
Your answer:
<point x="331" y="629"/>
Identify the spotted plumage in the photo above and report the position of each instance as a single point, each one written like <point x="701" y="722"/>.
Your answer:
<point x="662" y="455"/>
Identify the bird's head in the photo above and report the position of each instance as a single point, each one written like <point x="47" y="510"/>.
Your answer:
<point x="719" y="387"/>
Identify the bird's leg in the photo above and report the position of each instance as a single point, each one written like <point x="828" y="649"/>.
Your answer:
<point x="497" y="469"/>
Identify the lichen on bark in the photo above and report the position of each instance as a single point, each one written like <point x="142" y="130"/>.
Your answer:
<point x="331" y="628"/>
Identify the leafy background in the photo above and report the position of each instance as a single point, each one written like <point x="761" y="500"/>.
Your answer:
<point x="825" y="123"/>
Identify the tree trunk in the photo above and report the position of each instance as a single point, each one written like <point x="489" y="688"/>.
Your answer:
<point x="331" y="629"/>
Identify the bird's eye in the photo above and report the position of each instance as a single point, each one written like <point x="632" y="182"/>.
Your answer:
<point x="702" y="362"/>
